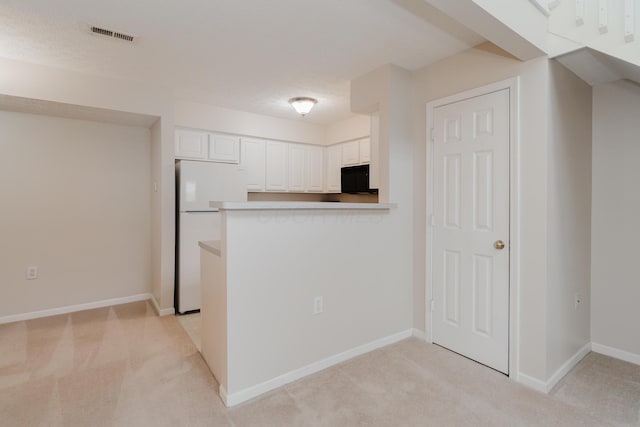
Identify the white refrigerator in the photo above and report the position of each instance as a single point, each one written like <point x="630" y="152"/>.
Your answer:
<point x="197" y="184"/>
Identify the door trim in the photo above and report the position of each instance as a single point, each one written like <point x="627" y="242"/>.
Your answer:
<point x="513" y="84"/>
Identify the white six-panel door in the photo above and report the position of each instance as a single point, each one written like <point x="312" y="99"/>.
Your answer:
<point x="470" y="268"/>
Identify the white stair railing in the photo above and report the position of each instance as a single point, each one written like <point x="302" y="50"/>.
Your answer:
<point x="608" y="26"/>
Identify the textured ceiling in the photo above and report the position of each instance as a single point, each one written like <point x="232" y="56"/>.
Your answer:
<point x="250" y="55"/>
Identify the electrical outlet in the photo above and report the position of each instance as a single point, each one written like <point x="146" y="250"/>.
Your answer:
<point x="317" y="305"/>
<point x="32" y="273"/>
<point x="577" y="301"/>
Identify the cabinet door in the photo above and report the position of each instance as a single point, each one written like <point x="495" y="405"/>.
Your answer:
<point x="190" y="144"/>
<point x="334" y="163"/>
<point x="365" y="150"/>
<point x="297" y="159"/>
<point x="315" y="175"/>
<point x="224" y="148"/>
<point x="350" y="153"/>
<point x="276" y="175"/>
<point x="253" y="159"/>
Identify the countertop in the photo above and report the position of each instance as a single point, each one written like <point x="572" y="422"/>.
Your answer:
<point x="244" y="206"/>
<point x="212" y="246"/>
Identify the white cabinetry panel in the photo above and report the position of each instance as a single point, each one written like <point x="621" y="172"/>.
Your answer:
<point x="350" y="153"/>
<point x="254" y="160"/>
<point x="334" y="163"/>
<point x="365" y="150"/>
<point x="190" y="144"/>
<point x="314" y="167"/>
<point x="297" y="158"/>
<point x="276" y="166"/>
<point x="224" y="148"/>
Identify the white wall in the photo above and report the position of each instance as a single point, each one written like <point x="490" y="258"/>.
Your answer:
<point x="345" y="130"/>
<point x="156" y="210"/>
<point x="209" y="117"/>
<point x="386" y="92"/>
<point x="76" y="204"/>
<point x="52" y="84"/>
<point x="277" y="262"/>
<point x="615" y="233"/>
<point x="470" y="69"/>
<point x="568" y="216"/>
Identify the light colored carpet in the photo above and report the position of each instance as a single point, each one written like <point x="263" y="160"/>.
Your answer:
<point x="124" y="366"/>
<point x="191" y="325"/>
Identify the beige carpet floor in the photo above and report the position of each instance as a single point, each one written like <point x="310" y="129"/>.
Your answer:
<point x="191" y="324"/>
<point x="124" y="366"/>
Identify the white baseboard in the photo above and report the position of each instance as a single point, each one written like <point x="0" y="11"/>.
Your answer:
<point x="531" y="382"/>
<point x="567" y="366"/>
<point x="546" y="386"/>
<point x="258" y="389"/>
<point x="73" y="308"/>
<point x="617" y="353"/>
<point x="417" y="333"/>
<point x="222" y="392"/>
<point x="161" y="311"/>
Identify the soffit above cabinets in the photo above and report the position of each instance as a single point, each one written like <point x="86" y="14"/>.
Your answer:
<point x="70" y="111"/>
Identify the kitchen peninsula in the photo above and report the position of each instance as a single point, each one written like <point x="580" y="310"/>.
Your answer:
<point x="295" y="287"/>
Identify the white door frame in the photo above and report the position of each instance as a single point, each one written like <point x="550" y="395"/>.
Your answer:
<point x="513" y="84"/>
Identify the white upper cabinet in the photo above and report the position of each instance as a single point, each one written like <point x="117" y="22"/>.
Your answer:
<point x="254" y="160"/>
<point x="276" y="166"/>
<point x="350" y="153"/>
<point x="365" y="150"/>
<point x="297" y="159"/>
<point x="202" y="145"/>
<point x="190" y="144"/>
<point x="314" y="169"/>
<point x="334" y="163"/>
<point x="224" y="148"/>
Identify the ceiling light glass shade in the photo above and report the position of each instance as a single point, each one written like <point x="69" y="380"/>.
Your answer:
<point x="303" y="104"/>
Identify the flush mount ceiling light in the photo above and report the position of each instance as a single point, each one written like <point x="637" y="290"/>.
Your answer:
<point x="302" y="104"/>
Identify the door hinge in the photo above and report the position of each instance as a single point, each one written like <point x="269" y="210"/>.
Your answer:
<point x="433" y="305"/>
<point x="432" y="220"/>
<point x="433" y="134"/>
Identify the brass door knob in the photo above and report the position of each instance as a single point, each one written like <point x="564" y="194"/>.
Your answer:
<point x="499" y="244"/>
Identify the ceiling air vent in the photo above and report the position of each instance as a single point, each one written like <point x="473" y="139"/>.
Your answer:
<point x="112" y="34"/>
<point x="123" y="37"/>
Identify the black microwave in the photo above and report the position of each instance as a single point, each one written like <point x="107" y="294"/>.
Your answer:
<point x="355" y="179"/>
